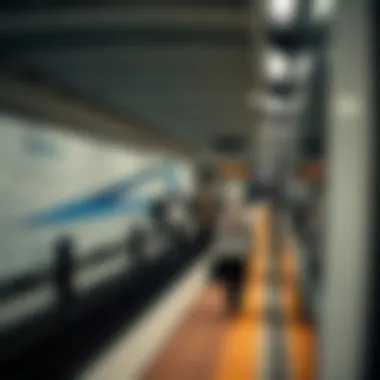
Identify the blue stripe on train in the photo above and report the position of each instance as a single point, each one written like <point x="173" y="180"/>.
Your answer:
<point x="111" y="201"/>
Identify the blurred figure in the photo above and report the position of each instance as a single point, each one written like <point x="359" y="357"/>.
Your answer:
<point x="135" y="246"/>
<point x="179" y="221"/>
<point x="206" y="204"/>
<point x="231" y="249"/>
<point x="64" y="266"/>
<point x="158" y="214"/>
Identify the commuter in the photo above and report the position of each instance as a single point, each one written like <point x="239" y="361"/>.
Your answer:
<point x="231" y="251"/>
<point x="206" y="208"/>
<point x="179" y="222"/>
<point x="158" y="215"/>
<point x="159" y="242"/>
<point x="136" y="244"/>
<point x="64" y="269"/>
<point x="206" y="203"/>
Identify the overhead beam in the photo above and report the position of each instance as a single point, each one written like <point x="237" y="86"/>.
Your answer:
<point x="112" y="17"/>
<point x="65" y="111"/>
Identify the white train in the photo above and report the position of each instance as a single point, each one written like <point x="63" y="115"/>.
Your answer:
<point x="55" y="183"/>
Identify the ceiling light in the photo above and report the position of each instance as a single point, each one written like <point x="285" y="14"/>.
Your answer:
<point x="347" y="106"/>
<point x="282" y="12"/>
<point x="276" y="65"/>
<point x="322" y="10"/>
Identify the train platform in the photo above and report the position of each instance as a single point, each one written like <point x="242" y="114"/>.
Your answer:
<point x="269" y="339"/>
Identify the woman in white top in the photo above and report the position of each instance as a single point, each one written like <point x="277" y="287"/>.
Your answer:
<point x="231" y="249"/>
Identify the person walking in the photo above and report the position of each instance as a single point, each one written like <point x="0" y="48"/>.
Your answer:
<point x="231" y="249"/>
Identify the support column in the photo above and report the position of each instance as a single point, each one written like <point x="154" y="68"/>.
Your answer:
<point x="348" y="198"/>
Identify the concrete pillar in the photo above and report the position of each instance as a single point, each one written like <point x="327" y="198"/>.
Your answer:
<point x="348" y="203"/>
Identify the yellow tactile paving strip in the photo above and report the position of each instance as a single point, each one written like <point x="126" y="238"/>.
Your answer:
<point x="300" y="335"/>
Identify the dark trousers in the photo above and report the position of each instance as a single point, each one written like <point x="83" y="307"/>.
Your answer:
<point x="230" y="271"/>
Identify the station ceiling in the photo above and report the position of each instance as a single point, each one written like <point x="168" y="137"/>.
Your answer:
<point x="180" y="70"/>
